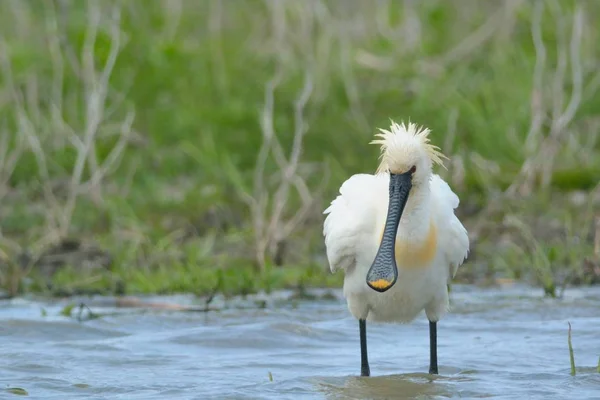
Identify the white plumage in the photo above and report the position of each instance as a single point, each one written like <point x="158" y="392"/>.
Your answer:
<point x="352" y="233"/>
<point x="356" y="218"/>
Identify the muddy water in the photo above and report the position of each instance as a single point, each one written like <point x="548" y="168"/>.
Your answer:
<point x="505" y="343"/>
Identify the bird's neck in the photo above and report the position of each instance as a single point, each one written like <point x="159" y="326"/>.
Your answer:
<point x="415" y="221"/>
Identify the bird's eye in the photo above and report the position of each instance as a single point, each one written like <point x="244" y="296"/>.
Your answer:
<point x="413" y="169"/>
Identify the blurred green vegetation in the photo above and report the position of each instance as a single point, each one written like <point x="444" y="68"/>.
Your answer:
<point x="173" y="214"/>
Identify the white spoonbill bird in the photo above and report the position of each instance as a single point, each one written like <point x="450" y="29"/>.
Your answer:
<point x="395" y="236"/>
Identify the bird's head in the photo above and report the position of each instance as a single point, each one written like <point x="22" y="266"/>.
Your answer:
<point x="406" y="149"/>
<point x="408" y="156"/>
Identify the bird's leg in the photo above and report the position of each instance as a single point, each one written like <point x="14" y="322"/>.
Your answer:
<point x="364" y="359"/>
<point x="433" y="365"/>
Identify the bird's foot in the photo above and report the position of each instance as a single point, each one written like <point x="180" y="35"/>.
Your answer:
<point x="365" y="371"/>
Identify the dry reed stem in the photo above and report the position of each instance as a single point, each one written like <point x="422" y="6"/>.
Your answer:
<point x="543" y="149"/>
<point x="44" y="131"/>
<point x="269" y="206"/>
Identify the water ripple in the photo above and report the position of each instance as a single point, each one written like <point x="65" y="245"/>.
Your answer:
<point x="506" y="343"/>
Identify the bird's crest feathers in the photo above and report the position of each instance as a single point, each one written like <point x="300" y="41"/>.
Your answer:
<point x="389" y="143"/>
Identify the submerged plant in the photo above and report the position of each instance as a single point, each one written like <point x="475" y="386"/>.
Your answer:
<point x="67" y="310"/>
<point x="17" y="391"/>
<point x="571" y="355"/>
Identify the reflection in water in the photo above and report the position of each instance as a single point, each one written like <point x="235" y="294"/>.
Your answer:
<point x="408" y="386"/>
<point x="509" y="343"/>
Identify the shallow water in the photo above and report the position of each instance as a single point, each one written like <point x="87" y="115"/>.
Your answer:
<point x="505" y="343"/>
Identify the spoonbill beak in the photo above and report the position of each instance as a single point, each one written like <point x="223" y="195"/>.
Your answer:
<point x="384" y="272"/>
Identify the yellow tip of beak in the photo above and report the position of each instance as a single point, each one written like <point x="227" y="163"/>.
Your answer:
<point x="380" y="284"/>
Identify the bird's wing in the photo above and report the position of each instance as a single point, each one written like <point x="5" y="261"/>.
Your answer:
<point x="453" y="239"/>
<point x="352" y="218"/>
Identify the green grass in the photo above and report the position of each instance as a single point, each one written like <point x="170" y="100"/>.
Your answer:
<point x="178" y="278"/>
<point x="173" y="215"/>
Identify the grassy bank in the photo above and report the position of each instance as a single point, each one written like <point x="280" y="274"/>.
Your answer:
<point x="186" y="146"/>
